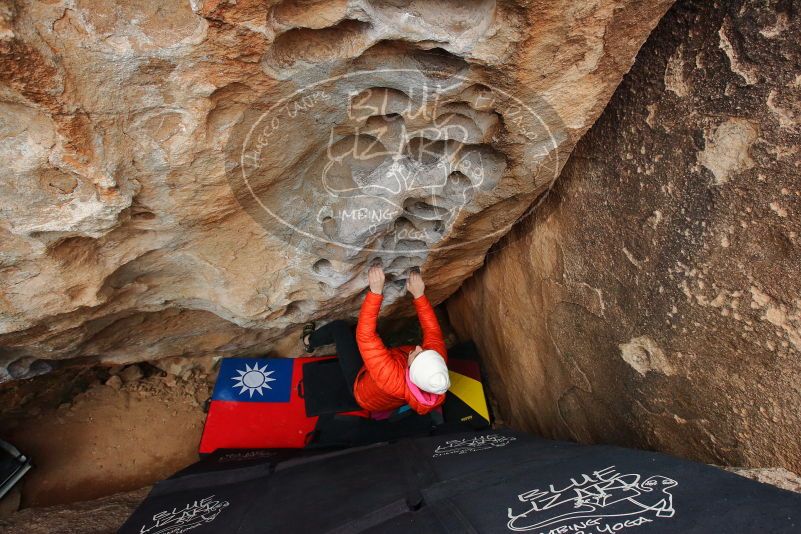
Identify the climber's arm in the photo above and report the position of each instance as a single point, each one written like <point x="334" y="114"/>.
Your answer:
<point x="432" y="333"/>
<point x="388" y="373"/>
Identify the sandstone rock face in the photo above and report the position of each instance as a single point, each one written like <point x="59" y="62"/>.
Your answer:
<point x="654" y="299"/>
<point x="200" y="177"/>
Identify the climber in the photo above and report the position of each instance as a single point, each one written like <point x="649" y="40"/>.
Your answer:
<point x="382" y="378"/>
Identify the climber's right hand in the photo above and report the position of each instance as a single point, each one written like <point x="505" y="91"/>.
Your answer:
<point x="376" y="278"/>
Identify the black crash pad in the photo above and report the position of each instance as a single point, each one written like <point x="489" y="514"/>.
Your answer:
<point x="326" y="391"/>
<point x="489" y="481"/>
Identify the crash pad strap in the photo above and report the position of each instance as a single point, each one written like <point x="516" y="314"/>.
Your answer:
<point x="325" y="390"/>
<point x="417" y="472"/>
<point x="373" y="519"/>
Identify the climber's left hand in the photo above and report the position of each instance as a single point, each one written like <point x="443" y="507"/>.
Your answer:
<point x="415" y="285"/>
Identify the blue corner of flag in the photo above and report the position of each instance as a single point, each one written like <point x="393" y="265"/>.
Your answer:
<point x="254" y="380"/>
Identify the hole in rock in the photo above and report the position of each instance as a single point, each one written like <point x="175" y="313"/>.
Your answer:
<point x="329" y="225"/>
<point x="456" y="127"/>
<point x="424" y="210"/>
<point x="323" y="267"/>
<point x="347" y="38"/>
<point x="437" y="60"/>
<point x="457" y="184"/>
<point x="314" y="14"/>
<point x="379" y="102"/>
<point x="399" y="284"/>
<point x="480" y="97"/>
<point x="298" y="307"/>
<point x="143" y="215"/>
<point x="228" y="101"/>
<point x="74" y="250"/>
<point x="411" y="245"/>
<point x="351" y="164"/>
<point x="402" y="264"/>
<point x="425" y="151"/>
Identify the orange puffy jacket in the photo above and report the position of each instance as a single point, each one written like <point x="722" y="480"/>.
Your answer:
<point x="381" y="384"/>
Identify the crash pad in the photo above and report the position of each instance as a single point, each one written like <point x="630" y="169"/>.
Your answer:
<point x="325" y="390"/>
<point x="303" y="402"/>
<point x="255" y="403"/>
<point x="484" y="482"/>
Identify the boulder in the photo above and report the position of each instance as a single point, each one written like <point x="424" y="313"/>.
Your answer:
<point x="653" y="299"/>
<point x="200" y="178"/>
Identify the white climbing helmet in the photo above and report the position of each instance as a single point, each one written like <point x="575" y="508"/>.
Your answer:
<point x="430" y="373"/>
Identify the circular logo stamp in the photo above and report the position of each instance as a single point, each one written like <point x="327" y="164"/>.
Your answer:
<point x="386" y="161"/>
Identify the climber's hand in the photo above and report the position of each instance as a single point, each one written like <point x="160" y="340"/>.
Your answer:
<point x="415" y="285"/>
<point x="376" y="278"/>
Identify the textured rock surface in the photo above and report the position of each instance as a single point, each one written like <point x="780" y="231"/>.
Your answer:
<point x="122" y="127"/>
<point x="654" y="301"/>
<point x="100" y="516"/>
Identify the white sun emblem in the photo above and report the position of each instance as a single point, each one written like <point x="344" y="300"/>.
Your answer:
<point x="251" y="380"/>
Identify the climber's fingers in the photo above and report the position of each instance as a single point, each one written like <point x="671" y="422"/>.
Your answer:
<point x="375" y="277"/>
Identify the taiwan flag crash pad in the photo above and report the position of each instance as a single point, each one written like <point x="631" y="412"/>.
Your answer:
<point x="304" y="402"/>
<point x="255" y="403"/>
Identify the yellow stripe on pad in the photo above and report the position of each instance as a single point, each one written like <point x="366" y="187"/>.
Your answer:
<point x="470" y="391"/>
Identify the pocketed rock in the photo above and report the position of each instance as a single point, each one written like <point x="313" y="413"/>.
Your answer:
<point x="123" y="236"/>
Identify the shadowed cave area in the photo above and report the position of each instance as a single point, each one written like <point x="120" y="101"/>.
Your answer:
<point x="603" y="197"/>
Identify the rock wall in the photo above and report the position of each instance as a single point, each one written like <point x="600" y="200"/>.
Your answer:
<point x="200" y="177"/>
<point x="655" y="298"/>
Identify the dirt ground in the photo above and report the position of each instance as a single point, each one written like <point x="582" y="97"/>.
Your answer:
<point x="118" y="430"/>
